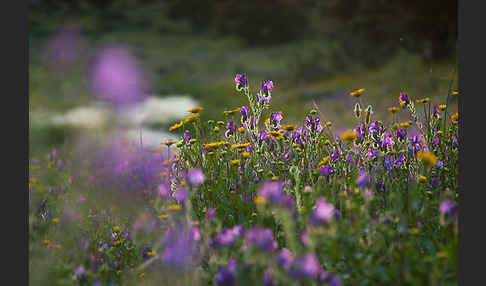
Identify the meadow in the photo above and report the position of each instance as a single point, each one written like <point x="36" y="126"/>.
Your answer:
<point x="253" y="197"/>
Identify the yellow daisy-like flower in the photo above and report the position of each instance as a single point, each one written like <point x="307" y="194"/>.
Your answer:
<point x="46" y="242"/>
<point x="275" y="134"/>
<point x="405" y="124"/>
<point x="196" y="109"/>
<point x="423" y="100"/>
<point x="229" y="112"/>
<point x="116" y="228"/>
<point x="393" y="109"/>
<point x="327" y="142"/>
<point x="349" y="135"/>
<point x="235" y="162"/>
<point x="423" y="178"/>
<point x="324" y="161"/>
<point x="442" y="107"/>
<point x="260" y="200"/>
<point x="427" y="157"/>
<point x="55" y="220"/>
<point x="163" y="216"/>
<point x="240" y="146"/>
<point x="455" y="92"/>
<point x="57" y="246"/>
<point x="151" y="253"/>
<point x="329" y="123"/>
<point x="267" y="121"/>
<point x="455" y="117"/>
<point x="253" y="214"/>
<point x="214" y="144"/>
<point x="402" y="103"/>
<point x="175" y="126"/>
<point x="174" y="207"/>
<point x="289" y="127"/>
<point x="440" y="132"/>
<point x="241" y="129"/>
<point x="191" y="118"/>
<point x="216" y="129"/>
<point x="357" y="93"/>
<point x="245" y="154"/>
<point x="117" y="242"/>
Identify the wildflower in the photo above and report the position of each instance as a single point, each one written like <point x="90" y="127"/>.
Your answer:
<point x="214" y="145"/>
<point x="195" y="109"/>
<point x="241" y="80"/>
<point x="267" y="86"/>
<point x="79" y="271"/>
<point x="405" y="124"/>
<point x="191" y="118"/>
<point x="225" y="276"/>
<point x="267" y="278"/>
<point x="427" y="157"/>
<point x="229" y="112"/>
<point x="210" y="214"/>
<point x="235" y="162"/>
<point x="164" y="216"/>
<point x="357" y="110"/>
<point x="275" y="118"/>
<point x="180" y="195"/>
<point x="442" y="107"/>
<point x="259" y="200"/>
<point x="305" y="266"/>
<point x="175" y="126"/>
<point x="404" y="99"/>
<point x="55" y="220"/>
<point x="454" y="92"/>
<point x="180" y="249"/>
<point x="423" y="100"/>
<point x="448" y="207"/>
<point x="116" y="228"/>
<point x="271" y="191"/>
<point x="330" y="278"/>
<point x="275" y="134"/>
<point x="324" y="161"/>
<point x="364" y="179"/>
<point x="289" y="127"/>
<point x="46" y="242"/>
<point x="323" y="211"/>
<point x="326" y="171"/>
<point x="245" y="154"/>
<point x="261" y="238"/>
<point x="244" y="113"/>
<point x="225" y="237"/>
<point x="455" y="117"/>
<point x="241" y="129"/>
<point x="174" y="207"/>
<point x="357" y="93"/>
<point x="284" y="258"/>
<point x="393" y="109"/>
<point x="349" y="135"/>
<point x="240" y="146"/>
<point x="435" y="111"/>
<point x="196" y="176"/>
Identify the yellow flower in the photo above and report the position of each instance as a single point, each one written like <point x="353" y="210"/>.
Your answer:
<point x="228" y="112"/>
<point x="423" y="100"/>
<point x="214" y="144"/>
<point x="55" y="220"/>
<point x="275" y="134"/>
<point x="423" y="178"/>
<point x="260" y="200"/>
<point x="393" y="109"/>
<point x="357" y="93"/>
<point x="195" y="109"/>
<point x="183" y="182"/>
<point x="402" y="103"/>
<point x="216" y="129"/>
<point x="46" y="242"/>
<point x="240" y="146"/>
<point x="440" y="132"/>
<point x="241" y="129"/>
<point x="427" y="157"/>
<point x="324" y="161"/>
<point x="245" y="154"/>
<point x="405" y="124"/>
<point x="253" y="214"/>
<point x="117" y="242"/>
<point x="442" y="107"/>
<point x="327" y="142"/>
<point x="175" y="126"/>
<point x="174" y="207"/>
<point x="455" y="117"/>
<point x="349" y="135"/>
<point x="151" y="253"/>
<point x="191" y="118"/>
<point x="235" y="162"/>
<point x="169" y="142"/>
<point x="289" y="127"/>
<point x="267" y="121"/>
<point x="58" y="246"/>
<point x="329" y="123"/>
<point x="455" y="92"/>
<point x="116" y="228"/>
<point x="164" y="174"/>
<point x="163" y="216"/>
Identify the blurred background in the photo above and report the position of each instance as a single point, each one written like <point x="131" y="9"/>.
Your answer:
<point x="141" y="64"/>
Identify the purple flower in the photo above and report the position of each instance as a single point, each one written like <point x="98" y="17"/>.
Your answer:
<point x="267" y="86"/>
<point x="240" y="79"/>
<point x="164" y="190"/>
<point x="435" y="141"/>
<point x="306" y="266"/>
<point x="180" y="248"/>
<point x="271" y="191"/>
<point x="454" y="141"/>
<point x="326" y="171"/>
<point x="364" y="179"/>
<point x="284" y="258"/>
<point x="180" y="195"/>
<point x="401" y="133"/>
<point x="116" y="76"/>
<point x="267" y="278"/>
<point x="261" y="238"/>
<point x="323" y="211"/>
<point x="210" y="214"/>
<point x="196" y="177"/>
<point x="225" y="276"/>
<point x="225" y="237"/>
<point x="448" y="207"/>
<point x="230" y="126"/>
<point x="79" y="271"/>
<point x="330" y="278"/>
<point x="388" y="140"/>
<point x="435" y="110"/>
<point x="244" y="113"/>
<point x="65" y="48"/>
<point x="404" y="98"/>
<point x="186" y="136"/>
<point x="275" y="118"/>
